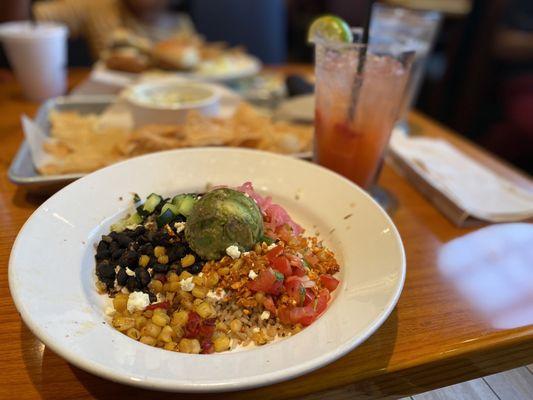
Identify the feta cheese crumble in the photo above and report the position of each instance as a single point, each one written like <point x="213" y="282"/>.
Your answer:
<point x="271" y="246"/>
<point x="252" y="274"/>
<point x="187" y="285"/>
<point x="233" y="252"/>
<point x="265" y="315"/>
<point x="216" y="295"/>
<point x="179" y="226"/>
<point x="137" y="301"/>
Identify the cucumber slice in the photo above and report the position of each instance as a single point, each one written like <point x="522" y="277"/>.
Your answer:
<point x="151" y="203"/>
<point x="165" y="217"/>
<point x="134" y="219"/>
<point x="171" y="207"/>
<point x="185" y="203"/>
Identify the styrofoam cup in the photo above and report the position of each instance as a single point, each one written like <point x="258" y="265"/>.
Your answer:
<point x="37" y="53"/>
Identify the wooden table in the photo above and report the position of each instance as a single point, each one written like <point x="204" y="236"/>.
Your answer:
<point x="435" y="337"/>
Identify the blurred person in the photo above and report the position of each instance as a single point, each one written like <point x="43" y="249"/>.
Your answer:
<point x="96" y="20"/>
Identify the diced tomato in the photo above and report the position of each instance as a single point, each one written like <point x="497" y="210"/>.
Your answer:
<point x="273" y="253"/>
<point x="322" y="301"/>
<point x="267" y="282"/>
<point x="311" y="258"/>
<point x="298" y="270"/>
<point x="192" y="328"/>
<point x="282" y="265"/>
<point x="206" y="331"/>
<point x="284" y="315"/>
<point x="295" y="289"/>
<point x="329" y="282"/>
<point x="303" y="315"/>
<point x="163" y="304"/>
<point x="309" y="297"/>
<point x="268" y="303"/>
<point x="207" y="346"/>
<point x="263" y="282"/>
<point x="275" y="289"/>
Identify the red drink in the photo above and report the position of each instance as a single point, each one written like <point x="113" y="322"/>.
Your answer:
<point x="355" y="111"/>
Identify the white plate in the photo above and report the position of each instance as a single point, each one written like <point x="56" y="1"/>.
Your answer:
<point x="52" y="281"/>
<point x="246" y="67"/>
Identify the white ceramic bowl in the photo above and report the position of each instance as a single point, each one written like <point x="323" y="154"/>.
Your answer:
<point x="152" y="102"/>
<point x="51" y="269"/>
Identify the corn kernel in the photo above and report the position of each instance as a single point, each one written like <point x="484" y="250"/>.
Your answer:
<point x="144" y="260"/>
<point x="185" y="275"/>
<point x="155" y="285"/>
<point x="148" y="340"/>
<point x="123" y="323"/>
<point x="187" y="261"/>
<point x="221" y="343"/>
<point x="235" y="325"/>
<point x="170" y="346"/>
<point x="151" y="329"/>
<point x="199" y="292"/>
<point x="191" y="346"/>
<point x="173" y="286"/>
<point x="159" y="251"/>
<point x="179" y="318"/>
<point x="120" y="302"/>
<point x="172" y="277"/>
<point x="160" y="319"/>
<point x="162" y="259"/>
<point x="204" y="310"/>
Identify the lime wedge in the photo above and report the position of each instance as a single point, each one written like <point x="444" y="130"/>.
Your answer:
<point x="330" y="28"/>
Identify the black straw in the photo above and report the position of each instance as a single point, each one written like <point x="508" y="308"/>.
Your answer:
<point x="358" y="80"/>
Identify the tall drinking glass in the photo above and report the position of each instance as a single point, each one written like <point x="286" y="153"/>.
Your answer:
<point x="358" y="93"/>
<point x="418" y="29"/>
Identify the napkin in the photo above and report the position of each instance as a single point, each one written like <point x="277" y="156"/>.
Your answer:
<point x="474" y="189"/>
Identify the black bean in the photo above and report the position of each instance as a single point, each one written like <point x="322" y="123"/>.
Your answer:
<point x="161" y="238"/>
<point x="131" y="284"/>
<point x="113" y="246"/>
<point x="102" y="253"/>
<point x="177" y="268"/>
<point x="105" y="270"/>
<point x="179" y="218"/>
<point x="142" y="276"/>
<point x="147" y="249"/>
<point x="196" y="267"/>
<point x="110" y="283"/>
<point x="123" y="240"/>
<point x="130" y="259"/>
<point x="102" y="246"/>
<point x="176" y="251"/>
<point x="151" y="296"/>
<point x="122" y="276"/>
<point x="139" y="230"/>
<point x="107" y="238"/>
<point x="162" y="268"/>
<point x="117" y="254"/>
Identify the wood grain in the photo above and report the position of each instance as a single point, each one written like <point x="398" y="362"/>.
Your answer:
<point x="435" y="336"/>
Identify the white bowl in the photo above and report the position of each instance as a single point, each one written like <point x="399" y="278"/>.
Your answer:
<point x="51" y="269"/>
<point x="149" y="102"/>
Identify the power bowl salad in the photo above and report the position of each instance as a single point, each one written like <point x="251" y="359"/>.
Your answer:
<point x="212" y="272"/>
